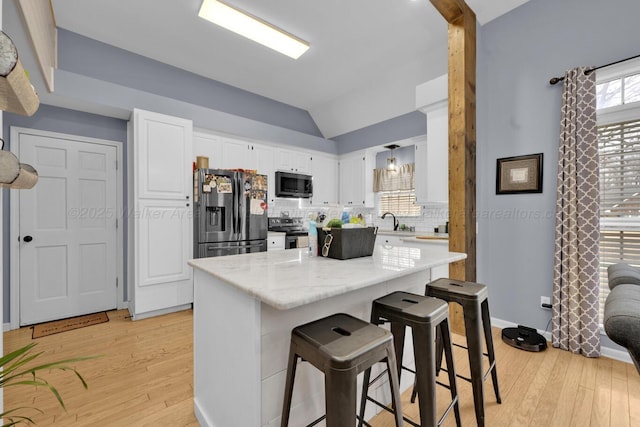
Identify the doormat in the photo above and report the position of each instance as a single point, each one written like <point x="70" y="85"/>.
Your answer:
<point x="55" y="327"/>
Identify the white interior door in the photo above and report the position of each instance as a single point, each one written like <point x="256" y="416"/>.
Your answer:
<point x="67" y="229"/>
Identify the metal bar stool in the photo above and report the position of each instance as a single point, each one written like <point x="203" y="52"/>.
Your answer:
<point x="425" y="316"/>
<point x="473" y="297"/>
<point x="341" y="346"/>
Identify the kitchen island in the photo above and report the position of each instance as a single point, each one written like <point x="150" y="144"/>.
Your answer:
<point x="246" y="305"/>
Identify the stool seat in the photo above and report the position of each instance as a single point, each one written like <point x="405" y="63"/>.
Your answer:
<point x="341" y="340"/>
<point x="341" y="346"/>
<point x="458" y="290"/>
<point x="407" y="307"/>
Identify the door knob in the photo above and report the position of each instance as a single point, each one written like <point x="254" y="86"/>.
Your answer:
<point x="27" y="239"/>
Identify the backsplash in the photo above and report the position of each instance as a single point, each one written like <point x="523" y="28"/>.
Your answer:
<point x="432" y="215"/>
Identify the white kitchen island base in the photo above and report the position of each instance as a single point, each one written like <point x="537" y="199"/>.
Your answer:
<point x="241" y="341"/>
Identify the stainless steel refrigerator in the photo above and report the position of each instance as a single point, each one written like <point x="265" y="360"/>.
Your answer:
<point x="230" y="213"/>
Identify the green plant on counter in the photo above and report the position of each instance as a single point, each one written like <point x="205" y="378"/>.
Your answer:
<point x="16" y="372"/>
<point x="334" y="223"/>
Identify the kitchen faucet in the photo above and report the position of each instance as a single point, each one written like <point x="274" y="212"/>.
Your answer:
<point x="396" y="224"/>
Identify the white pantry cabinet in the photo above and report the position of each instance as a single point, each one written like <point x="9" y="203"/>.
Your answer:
<point x="160" y="224"/>
<point x="324" y="170"/>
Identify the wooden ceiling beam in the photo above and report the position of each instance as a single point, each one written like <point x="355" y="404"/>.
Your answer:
<point x="451" y="10"/>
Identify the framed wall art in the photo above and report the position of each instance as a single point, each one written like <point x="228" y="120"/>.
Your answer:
<point x="520" y="174"/>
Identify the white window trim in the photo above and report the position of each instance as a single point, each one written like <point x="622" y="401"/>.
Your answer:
<point x="612" y="115"/>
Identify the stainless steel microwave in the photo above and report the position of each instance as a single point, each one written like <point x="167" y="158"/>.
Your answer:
<point x="294" y="185"/>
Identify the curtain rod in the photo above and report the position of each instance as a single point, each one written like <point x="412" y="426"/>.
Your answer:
<point x="555" y="80"/>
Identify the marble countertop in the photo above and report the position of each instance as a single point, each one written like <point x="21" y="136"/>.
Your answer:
<point x="288" y="279"/>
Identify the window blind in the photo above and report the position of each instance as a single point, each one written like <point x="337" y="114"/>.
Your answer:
<point x="619" y="150"/>
<point x="400" y="202"/>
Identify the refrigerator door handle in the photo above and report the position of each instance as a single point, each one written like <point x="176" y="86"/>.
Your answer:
<point x="238" y="192"/>
<point x="234" y="207"/>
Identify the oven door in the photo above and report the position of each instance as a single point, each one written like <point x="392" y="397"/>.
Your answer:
<point x="290" y="242"/>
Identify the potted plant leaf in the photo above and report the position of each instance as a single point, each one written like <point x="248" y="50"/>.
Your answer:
<point x="16" y="370"/>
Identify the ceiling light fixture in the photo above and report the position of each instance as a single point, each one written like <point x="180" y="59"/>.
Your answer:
<point x="253" y="28"/>
<point x="391" y="161"/>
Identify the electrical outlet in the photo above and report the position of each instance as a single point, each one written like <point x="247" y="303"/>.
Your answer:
<point x="545" y="302"/>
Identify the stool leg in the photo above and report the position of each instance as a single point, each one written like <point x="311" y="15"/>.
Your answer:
<point x="439" y="349"/>
<point x="445" y="335"/>
<point x="340" y="397"/>
<point x="394" y="383"/>
<point x="473" y="330"/>
<point x="424" y="349"/>
<point x="398" y="331"/>
<point x="365" y="393"/>
<point x="288" y="388"/>
<point x="486" y="323"/>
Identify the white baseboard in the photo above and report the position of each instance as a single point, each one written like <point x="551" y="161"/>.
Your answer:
<point x="609" y="352"/>
<point x="6" y="327"/>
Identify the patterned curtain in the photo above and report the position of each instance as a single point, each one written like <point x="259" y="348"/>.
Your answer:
<point x="575" y="277"/>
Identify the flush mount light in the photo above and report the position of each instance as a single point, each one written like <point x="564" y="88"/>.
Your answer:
<point x="253" y="28"/>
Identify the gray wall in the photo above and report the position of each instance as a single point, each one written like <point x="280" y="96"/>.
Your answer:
<point x="91" y="58"/>
<point x="71" y="122"/>
<point x="395" y="129"/>
<point x="518" y="113"/>
<point x="403" y="156"/>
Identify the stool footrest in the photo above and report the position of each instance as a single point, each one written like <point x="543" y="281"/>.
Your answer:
<point x="316" y="422"/>
<point x="381" y="374"/>
<point x="491" y="368"/>
<point x="467" y="348"/>
<point x="449" y="408"/>
<point x="386" y="408"/>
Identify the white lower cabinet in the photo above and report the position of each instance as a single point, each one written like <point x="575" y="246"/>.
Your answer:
<point x="385" y="239"/>
<point x="275" y="242"/>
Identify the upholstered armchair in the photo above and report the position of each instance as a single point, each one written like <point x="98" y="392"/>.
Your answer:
<point x="622" y="309"/>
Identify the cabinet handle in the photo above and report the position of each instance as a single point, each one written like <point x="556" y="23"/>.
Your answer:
<point x="187" y="197"/>
<point x="187" y="204"/>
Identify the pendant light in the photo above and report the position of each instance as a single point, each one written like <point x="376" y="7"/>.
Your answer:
<point x="391" y="161"/>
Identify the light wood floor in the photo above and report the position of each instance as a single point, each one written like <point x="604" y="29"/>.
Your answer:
<point x="146" y="377"/>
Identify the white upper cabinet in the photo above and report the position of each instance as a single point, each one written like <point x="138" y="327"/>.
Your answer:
<point x="238" y="154"/>
<point x="162" y="155"/>
<point x="432" y="160"/>
<point x="352" y="180"/>
<point x="210" y="146"/>
<point x="293" y="161"/>
<point x="325" y="180"/>
<point x="264" y="165"/>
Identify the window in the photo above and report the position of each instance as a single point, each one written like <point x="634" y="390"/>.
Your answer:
<point x="618" y="93"/>
<point x="400" y="202"/>
<point x="396" y="190"/>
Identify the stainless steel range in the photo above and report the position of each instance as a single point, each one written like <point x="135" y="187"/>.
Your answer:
<point x="293" y="229"/>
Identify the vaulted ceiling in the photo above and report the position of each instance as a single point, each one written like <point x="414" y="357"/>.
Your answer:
<point x="365" y="60"/>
